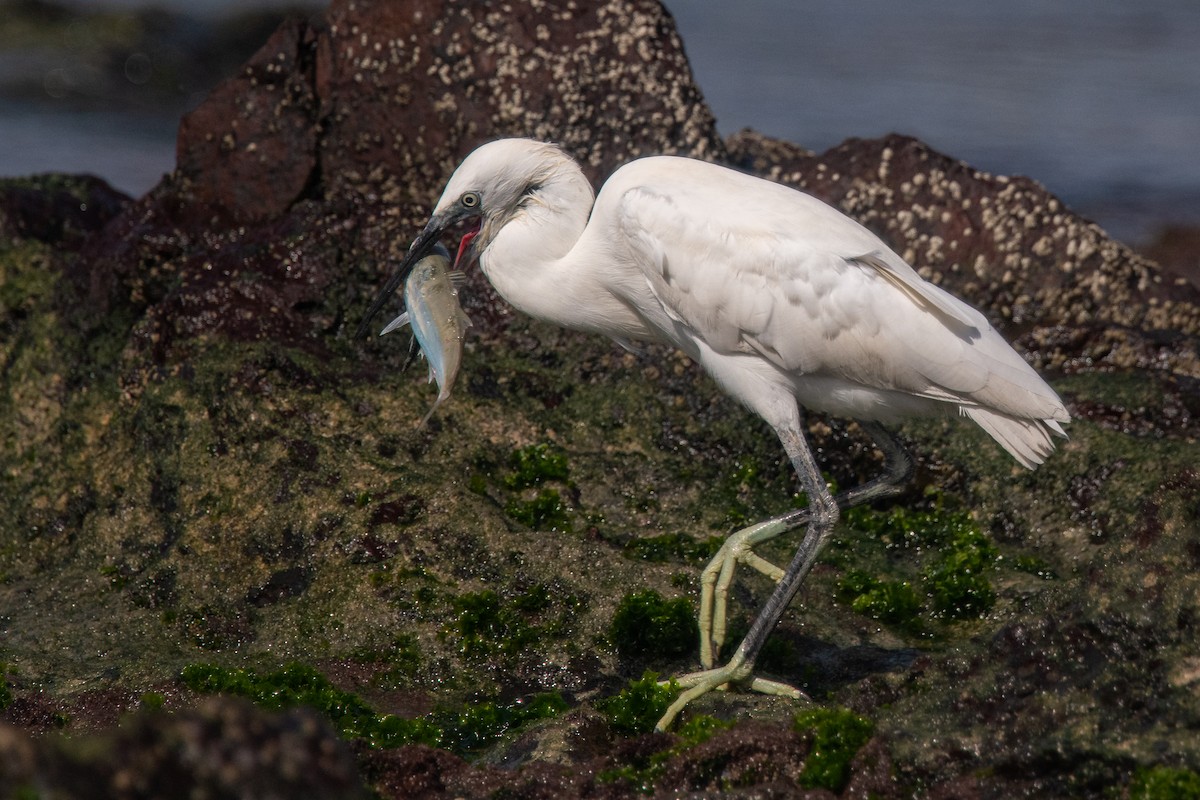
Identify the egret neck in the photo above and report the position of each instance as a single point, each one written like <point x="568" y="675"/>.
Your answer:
<point x="530" y="252"/>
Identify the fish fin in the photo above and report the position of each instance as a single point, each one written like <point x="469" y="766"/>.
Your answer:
<point x="458" y="278"/>
<point x="398" y="322"/>
<point x="412" y="353"/>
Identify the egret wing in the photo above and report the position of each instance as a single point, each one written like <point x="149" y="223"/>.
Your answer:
<point x="751" y="266"/>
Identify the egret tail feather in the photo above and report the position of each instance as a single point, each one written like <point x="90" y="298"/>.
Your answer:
<point x="1027" y="440"/>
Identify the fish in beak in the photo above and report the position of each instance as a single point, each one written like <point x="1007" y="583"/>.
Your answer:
<point x="439" y="324"/>
<point x="420" y="249"/>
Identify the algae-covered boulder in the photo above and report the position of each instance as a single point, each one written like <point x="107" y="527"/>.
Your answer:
<point x="210" y="488"/>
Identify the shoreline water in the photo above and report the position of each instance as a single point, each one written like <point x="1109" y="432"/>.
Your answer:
<point x="1093" y="107"/>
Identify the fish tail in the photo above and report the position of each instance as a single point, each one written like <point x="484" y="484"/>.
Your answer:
<point x="429" y="414"/>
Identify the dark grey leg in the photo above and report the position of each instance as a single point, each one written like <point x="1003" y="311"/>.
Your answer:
<point x="820" y="516"/>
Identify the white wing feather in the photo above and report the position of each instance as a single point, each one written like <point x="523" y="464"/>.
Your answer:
<point x="750" y="266"/>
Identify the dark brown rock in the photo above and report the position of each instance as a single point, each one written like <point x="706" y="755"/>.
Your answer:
<point x="768" y="757"/>
<point x="425" y="773"/>
<point x="407" y="90"/>
<point x="222" y="749"/>
<point x="62" y="213"/>
<point x="300" y="177"/>
<point x="251" y="148"/>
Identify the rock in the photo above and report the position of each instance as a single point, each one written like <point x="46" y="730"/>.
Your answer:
<point x="57" y="210"/>
<point x="250" y="149"/>
<point x="1177" y="248"/>
<point x="222" y="748"/>
<point x="199" y="466"/>
<point x="300" y="178"/>
<point x="407" y="91"/>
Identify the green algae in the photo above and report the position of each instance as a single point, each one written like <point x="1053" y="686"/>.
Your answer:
<point x="755" y="486"/>
<point x="635" y="710"/>
<point x="648" y="626"/>
<point x="460" y="730"/>
<point x="261" y="458"/>
<point x="545" y="511"/>
<point x="478" y="725"/>
<point x="488" y="627"/>
<point x="957" y="580"/>
<point x="207" y="505"/>
<point x="536" y="464"/>
<point x="528" y="469"/>
<point x="673" y="547"/>
<point x="837" y="735"/>
<point x="152" y="701"/>
<point x="735" y="491"/>
<point x="401" y="661"/>
<point x="6" y="696"/>
<point x="893" y="602"/>
<point x="949" y="557"/>
<point x="639" y="706"/>
<point x="900" y="528"/>
<point x="1164" y="783"/>
<point x="639" y="776"/>
<point x="699" y="728"/>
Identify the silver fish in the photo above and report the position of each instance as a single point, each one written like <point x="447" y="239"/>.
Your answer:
<point x="437" y="320"/>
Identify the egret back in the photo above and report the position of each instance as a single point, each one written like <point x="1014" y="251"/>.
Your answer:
<point x="755" y="269"/>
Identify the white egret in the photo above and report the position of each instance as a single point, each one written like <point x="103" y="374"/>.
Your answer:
<point x="785" y="301"/>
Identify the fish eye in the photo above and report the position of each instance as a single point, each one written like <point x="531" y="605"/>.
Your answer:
<point x="469" y="200"/>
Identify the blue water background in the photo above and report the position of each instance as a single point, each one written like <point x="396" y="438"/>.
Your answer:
<point x="1097" y="99"/>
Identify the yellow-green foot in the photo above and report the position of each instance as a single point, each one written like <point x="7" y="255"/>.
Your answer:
<point x="716" y="577"/>
<point x="737" y="672"/>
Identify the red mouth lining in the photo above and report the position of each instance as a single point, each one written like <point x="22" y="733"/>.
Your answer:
<point x="466" y="242"/>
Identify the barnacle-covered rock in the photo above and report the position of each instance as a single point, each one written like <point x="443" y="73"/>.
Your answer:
<point x="198" y="466"/>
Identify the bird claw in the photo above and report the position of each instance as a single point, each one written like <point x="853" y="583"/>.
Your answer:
<point x="717" y="576"/>
<point x="714" y="600"/>
<point x="736" y="673"/>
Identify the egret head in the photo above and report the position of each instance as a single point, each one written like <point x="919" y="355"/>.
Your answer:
<point x="495" y="184"/>
<point x="492" y="186"/>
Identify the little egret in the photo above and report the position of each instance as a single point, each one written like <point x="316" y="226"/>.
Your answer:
<point x="783" y="300"/>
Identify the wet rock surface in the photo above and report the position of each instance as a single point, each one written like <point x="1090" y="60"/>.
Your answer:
<point x="200" y="467"/>
<point x="222" y="748"/>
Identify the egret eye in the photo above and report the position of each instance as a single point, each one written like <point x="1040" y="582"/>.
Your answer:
<point x="470" y="200"/>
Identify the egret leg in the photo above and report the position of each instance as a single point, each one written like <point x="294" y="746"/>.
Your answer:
<point x="821" y="516"/>
<point x="738" y="548"/>
<point x="716" y="577"/>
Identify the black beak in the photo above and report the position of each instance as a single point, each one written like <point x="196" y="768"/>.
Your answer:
<point x="421" y="247"/>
